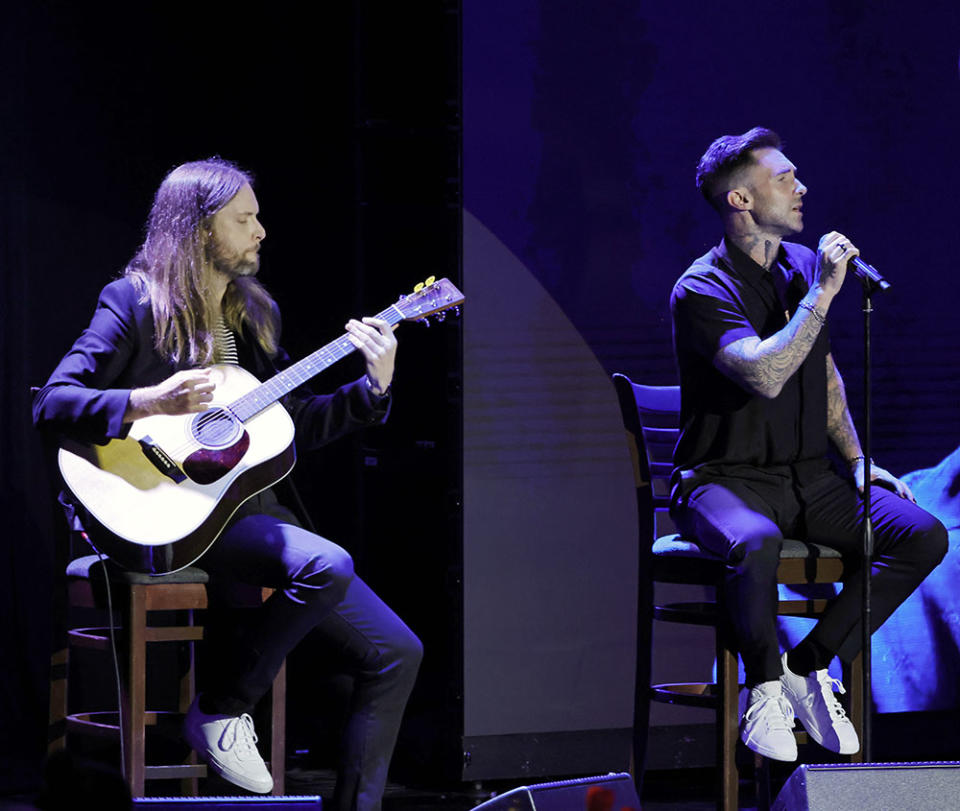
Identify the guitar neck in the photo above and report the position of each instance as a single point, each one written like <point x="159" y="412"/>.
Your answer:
<point x="266" y="394"/>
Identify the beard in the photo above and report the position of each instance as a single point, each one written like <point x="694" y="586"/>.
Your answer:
<point x="232" y="263"/>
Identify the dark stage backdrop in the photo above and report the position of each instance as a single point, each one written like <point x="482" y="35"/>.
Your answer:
<point x="583" y="124"/>
<point x="347" y="134"/>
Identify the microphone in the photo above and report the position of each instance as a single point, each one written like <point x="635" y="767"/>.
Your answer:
<point x="868" y="274"/>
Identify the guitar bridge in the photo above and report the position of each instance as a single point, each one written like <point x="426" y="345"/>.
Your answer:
<point x="159" y="459"/>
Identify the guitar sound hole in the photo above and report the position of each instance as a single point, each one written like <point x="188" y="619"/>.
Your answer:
<point x="215" y="428"/>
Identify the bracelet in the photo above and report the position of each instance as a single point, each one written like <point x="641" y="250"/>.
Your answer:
<point x="852" y="461"/>
<point x="815" y="311"/>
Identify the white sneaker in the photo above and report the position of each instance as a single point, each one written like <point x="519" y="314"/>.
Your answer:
<point x="228" y="744"/>
<point x="819" y="711"/>
<point x="767" y="724"/>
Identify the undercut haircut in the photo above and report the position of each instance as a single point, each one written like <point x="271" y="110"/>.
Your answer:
<point x="726" y="156"/>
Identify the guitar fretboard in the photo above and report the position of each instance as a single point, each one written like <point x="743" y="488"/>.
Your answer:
<point x="253" y="402"/>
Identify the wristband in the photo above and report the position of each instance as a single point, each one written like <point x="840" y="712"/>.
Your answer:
<point x="815" y="311"/>
<point x="852" y="461"/>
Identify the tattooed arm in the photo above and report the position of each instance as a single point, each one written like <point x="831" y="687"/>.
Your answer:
<point x="840" y="427"/>
<point x="763" y="366"/>
<point x="843" y="434"/>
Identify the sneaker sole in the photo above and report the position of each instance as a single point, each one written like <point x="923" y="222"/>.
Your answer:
<point x="839" y="751"/>
<point x="815" y="736"/>
<point x="770" y="753"/>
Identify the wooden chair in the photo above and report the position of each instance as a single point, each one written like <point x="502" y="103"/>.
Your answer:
<point x="651" y="418"/>
<point x="140" y="598"/>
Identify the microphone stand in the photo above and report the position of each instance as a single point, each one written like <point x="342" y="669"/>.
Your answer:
<point x="866" y="743"/>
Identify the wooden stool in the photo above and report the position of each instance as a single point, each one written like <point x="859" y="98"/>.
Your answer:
<point x="137" y="595"/>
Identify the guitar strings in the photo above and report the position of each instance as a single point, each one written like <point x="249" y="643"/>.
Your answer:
<point x="275" y="388"/>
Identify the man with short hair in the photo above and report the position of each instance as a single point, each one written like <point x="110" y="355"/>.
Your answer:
<point x="762" y="404"/>
<point x="188" y="299"/>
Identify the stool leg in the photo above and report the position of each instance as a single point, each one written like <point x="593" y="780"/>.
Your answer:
<point x="728" y="684"/>
<point x="135" y="704"/>
<point x="761" y="770"/>
<point x="278" y="730"/>
<point x="853" y="678"/>
<point x="57" y="724"/>
<point x="189" y="786"/>
<point x="728" y="709"/>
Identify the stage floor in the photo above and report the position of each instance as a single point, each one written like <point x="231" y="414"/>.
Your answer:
<point x="906" y="737"/>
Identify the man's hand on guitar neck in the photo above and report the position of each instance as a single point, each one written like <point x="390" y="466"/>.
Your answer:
<point x="182" y="393"/>
<point x="375" y="339"/>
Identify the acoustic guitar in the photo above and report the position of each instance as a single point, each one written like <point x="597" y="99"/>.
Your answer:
<point x="160" y="497"/>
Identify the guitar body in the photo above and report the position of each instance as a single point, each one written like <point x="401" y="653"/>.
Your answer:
<point x="160" y="497"/>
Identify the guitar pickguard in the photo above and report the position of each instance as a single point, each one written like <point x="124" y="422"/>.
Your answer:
<point x="206" y="465"/>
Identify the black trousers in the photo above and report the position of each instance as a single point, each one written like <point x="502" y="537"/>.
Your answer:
<point x="317" y="594"/>
<point x="744" y="519"/>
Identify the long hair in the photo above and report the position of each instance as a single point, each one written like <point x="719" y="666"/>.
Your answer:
<point x="169" y="270"/>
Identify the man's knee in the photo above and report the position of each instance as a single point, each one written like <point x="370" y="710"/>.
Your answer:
<point x="327" y="573"/>
<point x="931" y="543"/>
<point x="411" y="652"/>
<point x="395" y="659"/>
<point x="404" y="654"/>
<point x="759" y="553"/>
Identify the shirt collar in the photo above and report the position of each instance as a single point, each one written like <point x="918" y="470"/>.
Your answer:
<point x="744" y="266"/>
<point x="784" y="277"/>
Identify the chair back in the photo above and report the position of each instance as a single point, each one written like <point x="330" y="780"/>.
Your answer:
<point x="651" y="417"/>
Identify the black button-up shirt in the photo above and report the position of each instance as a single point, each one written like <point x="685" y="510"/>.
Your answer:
<point x="725" y="296"/>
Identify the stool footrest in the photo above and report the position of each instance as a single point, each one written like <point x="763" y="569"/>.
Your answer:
<point x="90" y="638"/>
<point x="99" y="638"/>
<point x="106" y="722"/>
<point x="175" y="772"/>
<point x="687" y="694"/>
<point x="693" y="613"/>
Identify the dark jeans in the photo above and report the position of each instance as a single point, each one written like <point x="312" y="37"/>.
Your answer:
<point x="745" y="518"/>
<point x="316" y="590"/>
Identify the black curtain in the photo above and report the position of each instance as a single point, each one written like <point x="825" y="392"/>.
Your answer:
<point x="99" y="101"/>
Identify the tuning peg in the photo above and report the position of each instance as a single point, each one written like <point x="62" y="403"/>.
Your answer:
<point x="441" y="316"/>
<point x="430" y="280"/>
<point x="424" y="321"/>
<point x="456" y="311"/>
<point x="402" y="297"/>
<point x="418" y="288"/>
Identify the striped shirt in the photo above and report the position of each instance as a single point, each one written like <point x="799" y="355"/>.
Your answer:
<point x="224" y="344"/>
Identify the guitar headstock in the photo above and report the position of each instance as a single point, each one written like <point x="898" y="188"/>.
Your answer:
<point x="433" y="297"/>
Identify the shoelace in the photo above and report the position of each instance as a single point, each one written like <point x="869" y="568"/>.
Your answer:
<point x="827" y="687"/>
<point x="773" y="720"/>
<point x="238" y="735"/>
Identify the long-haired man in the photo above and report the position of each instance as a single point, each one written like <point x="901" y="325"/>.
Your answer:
<point x="188" y="299"/>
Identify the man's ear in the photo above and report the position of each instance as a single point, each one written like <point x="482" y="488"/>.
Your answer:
<point x="740" y="199"/>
